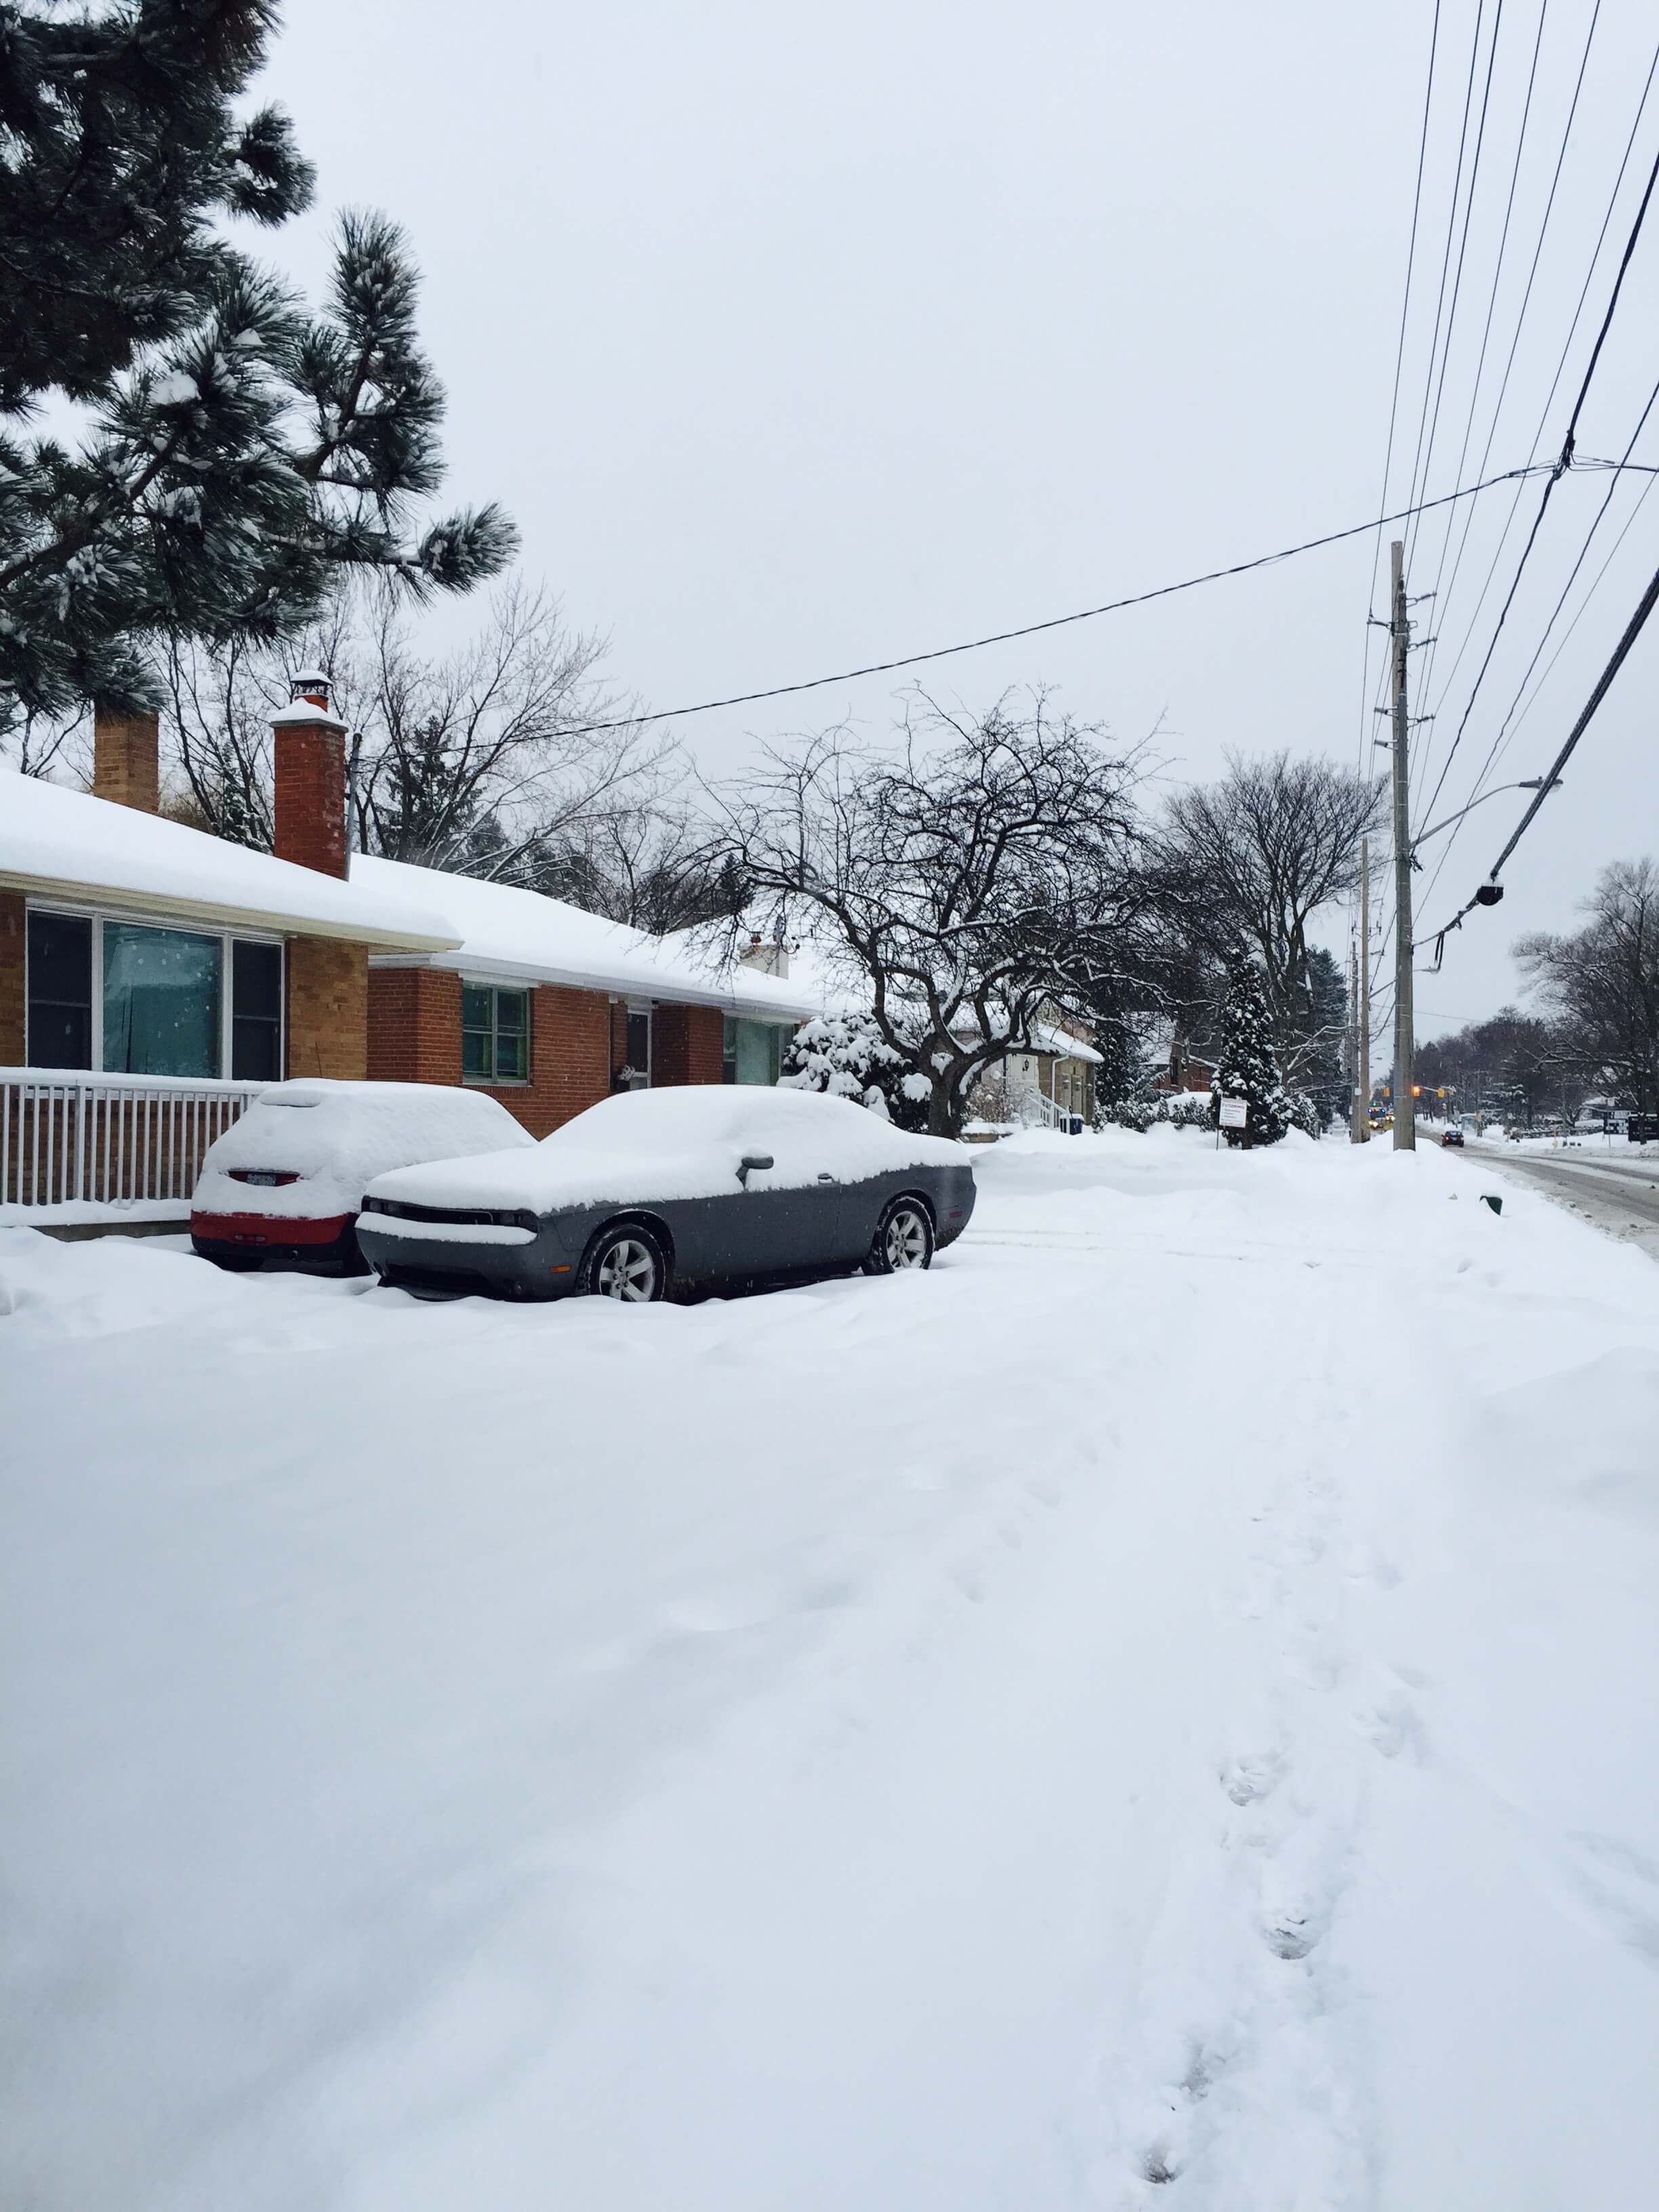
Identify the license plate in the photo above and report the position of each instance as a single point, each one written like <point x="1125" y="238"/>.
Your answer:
<point x="263" y="1181"/>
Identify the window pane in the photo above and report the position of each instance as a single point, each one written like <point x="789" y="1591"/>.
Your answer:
<point x="510" y="1010"/>
<point x="256" y="1012"/>
<point x="256" y="975"/>
<point x="256" y="1049"/>
<point x="60" y="990"/>
<point x="160" y="1001"/>
<point x="512" y="1058"/>
<point x="475" y="1007"/>
<point x="755" y="1052"/>
<point x="474" y="1053"/>
<point x="639" y="1043"/>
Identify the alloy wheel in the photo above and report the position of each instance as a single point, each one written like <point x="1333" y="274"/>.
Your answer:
<point x="628" y="1270"/>
<point x="906" y="1242"/>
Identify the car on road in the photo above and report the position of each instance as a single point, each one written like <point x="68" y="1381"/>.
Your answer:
<point x="655" y="1191"/>
<point x="283" y="1184"/>
<point x="1454" y="1137"/>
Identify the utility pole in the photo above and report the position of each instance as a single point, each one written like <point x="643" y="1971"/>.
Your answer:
<point x="1361" y="1101"/>
<point x="1405" y="1117"/>
<point x="1351" y="1045"/>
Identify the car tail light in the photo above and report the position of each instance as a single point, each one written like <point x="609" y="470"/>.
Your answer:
<point x="266" y="1178"/>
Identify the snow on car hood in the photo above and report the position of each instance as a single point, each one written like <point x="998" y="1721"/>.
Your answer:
<point x="676" y="1144"/>
<point x="336" y="1137"/>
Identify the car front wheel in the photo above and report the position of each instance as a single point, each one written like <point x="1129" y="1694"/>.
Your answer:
<point x="626" y="1262"/>
<point x="903" y="1238"/>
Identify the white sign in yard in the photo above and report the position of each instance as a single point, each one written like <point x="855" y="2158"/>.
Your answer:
<point x="1234" y="1113"/>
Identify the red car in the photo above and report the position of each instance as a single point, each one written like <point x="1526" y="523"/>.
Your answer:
<point x="285" y="1182"/>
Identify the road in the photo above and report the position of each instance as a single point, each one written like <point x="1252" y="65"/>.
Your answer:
<point x="1620" y="1196"/>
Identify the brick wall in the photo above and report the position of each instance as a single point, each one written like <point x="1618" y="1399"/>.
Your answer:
<point x="688" y="1045"/>
<point x="414" y="1025"/>
<point x="414" y="1036"/>
<point x="576" y="1039"/>
<point x="13" y="939"/>
<point x="327" y="1009"/>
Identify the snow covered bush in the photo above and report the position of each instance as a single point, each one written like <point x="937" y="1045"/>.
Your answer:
<point x="1305" y="1115"/>
<point x="1248" y="1068"/>
<point x="846" y="1056"/>
<point x="1136" y="1113"/>
<point x="1191" y="1110"/>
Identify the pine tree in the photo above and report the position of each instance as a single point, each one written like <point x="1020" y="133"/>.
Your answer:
<point x="242" y="456"/>
<point x="1246" y="1066"/>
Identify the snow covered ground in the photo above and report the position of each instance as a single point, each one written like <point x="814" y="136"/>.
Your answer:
<point x="1159" y="1712"/>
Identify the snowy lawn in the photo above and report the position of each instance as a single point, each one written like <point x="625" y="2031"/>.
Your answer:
<point x="1159" y="1712"/>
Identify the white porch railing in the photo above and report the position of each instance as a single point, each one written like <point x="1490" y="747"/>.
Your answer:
<point x="109" y="1140"/>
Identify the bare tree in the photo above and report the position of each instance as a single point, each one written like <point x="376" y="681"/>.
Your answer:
<point x="1604" y="982"/>
<point x="1255" y="857"/>
<point x="483" y="762"/>
<point x="979" y="877"/>
<point x="656" y="867"/>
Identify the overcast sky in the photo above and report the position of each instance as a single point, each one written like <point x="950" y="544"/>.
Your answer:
<point x="796" y="339"/>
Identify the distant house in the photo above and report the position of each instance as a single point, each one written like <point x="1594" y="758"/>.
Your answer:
<point x="1050" y="1085"/>
<point x="153" y="977"/>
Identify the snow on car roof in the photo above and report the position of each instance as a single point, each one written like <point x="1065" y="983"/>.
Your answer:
<point x="85" y="846"/>
<point x="523" y="935"/>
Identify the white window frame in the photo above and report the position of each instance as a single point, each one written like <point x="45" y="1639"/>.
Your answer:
<point x="99" y="916"/>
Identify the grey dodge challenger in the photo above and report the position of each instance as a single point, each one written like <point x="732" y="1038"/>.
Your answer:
<point x="654" y="1190"/>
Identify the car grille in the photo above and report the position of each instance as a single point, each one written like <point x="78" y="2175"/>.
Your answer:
<point x="466" y="1216"/>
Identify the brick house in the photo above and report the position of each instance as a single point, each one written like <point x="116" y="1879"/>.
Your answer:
<point x="153" y="978"/>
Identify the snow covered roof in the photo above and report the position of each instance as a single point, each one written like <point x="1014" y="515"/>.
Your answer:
<point x="71" y="845"/>
<point x="522" y="936"/>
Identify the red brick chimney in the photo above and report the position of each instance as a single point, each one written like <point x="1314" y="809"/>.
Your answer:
<point x="127" y="758"/>
<point x="310" y="780"/>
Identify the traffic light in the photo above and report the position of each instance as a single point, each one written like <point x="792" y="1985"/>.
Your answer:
<point x="1417" y="1091"/>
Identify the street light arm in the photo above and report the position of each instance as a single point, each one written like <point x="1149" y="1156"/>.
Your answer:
<point x="1532" y="783"/>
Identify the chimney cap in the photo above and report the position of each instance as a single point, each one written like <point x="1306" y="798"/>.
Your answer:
<point x="308" y="683"/>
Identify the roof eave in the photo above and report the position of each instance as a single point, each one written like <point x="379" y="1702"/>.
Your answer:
<point x="614" y="986"/>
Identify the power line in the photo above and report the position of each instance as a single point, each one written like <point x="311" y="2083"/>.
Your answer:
<point x="1061" y="621"/>
<point x="1562" y="465"/>
<point x="1481" y="369"/>
<point x="1567" y="638"/>
<point x="1463" y="250"/>
<point x="1398" y="360"/>
<point x="1633" y="630"/>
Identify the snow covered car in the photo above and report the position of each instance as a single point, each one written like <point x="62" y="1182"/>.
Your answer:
<point x="285" y="1181"/>
<point x="653" y="1189"/>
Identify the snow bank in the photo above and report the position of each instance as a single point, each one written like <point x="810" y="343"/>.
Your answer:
<point x="338" y="1137"/>
<point x="1026" y="1735"/>
<point x="679" y="1144"/>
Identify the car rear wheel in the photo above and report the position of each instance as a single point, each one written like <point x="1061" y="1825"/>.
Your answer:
<point x="903" y="1239"/>
<point x="626" y="1262"/>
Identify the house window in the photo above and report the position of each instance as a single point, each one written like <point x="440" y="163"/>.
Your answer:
<point x="494" y="1035"/>
<point x="752" y="1051"/>
<point x="161" y="1000"/>
<point x="60" y="990"/>
<point x="130" y="998"/>
<point x="256" y="1020"/>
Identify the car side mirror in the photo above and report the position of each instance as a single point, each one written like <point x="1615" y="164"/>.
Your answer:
<point x="752" y="1160"/>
